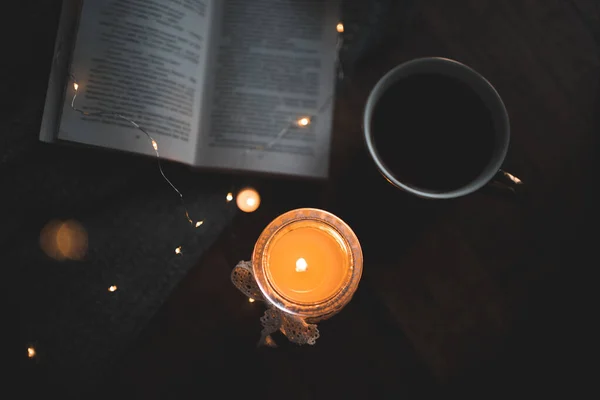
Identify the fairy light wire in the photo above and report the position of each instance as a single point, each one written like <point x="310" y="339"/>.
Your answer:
<point x="137" y="126"/>
<point x="31" y="351"/>
<point x="301" y="122"/>
<point x="306" y="120"/>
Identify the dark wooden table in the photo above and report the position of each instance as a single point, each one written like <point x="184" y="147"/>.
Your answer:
<point x="479" y="292"/>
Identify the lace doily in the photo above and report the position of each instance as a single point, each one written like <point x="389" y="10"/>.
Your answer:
<point x="296" y="329"/>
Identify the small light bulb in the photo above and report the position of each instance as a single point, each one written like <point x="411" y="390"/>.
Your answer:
<point x="304" y="121"/>
<point x="178" y="250"/>
<point x="75" y="86"/>
<point x="269" y="342"/>
<point x="340" y="27"/>
<point x="512" y="178"/>
<point x="112" y="288"/>
<point x="229" y="197"/>
<point x="251" y="300"/>
<point x="199" y="224"/>
<point x="155" y="145"/>
<point x="31" y="352"/>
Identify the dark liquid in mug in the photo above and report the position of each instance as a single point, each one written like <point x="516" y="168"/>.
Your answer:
<point x="433" y="132"/>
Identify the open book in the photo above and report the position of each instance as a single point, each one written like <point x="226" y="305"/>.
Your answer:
<point x="217" y="83"/>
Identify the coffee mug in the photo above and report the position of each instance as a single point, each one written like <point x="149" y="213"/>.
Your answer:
<point x="413" y="94"/>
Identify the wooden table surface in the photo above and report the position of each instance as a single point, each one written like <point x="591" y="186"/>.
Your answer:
<point x="484" y="289"/>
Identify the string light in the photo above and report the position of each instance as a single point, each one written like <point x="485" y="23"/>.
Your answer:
<point x="135" y="125"/>
<point x="304" y="121"/>
<point x="251" y="300"/>
<point x="269" y="342"/>
<point x="513" y="178"/>
<point x="338" y="47"/>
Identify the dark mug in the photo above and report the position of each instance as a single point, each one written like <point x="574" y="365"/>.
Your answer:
<point x="438" y="129"/>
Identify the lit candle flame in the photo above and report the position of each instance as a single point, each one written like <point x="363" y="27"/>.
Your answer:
<point x="178" y="250"/>
<point x="340" y="27"/>
<point x="112" y="288"/>
<point x="301" y="265"/>
<point x="31" y="352"/>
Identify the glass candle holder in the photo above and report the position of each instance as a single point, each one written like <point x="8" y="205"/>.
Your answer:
<point x="308" y="262"/>
<point x="306" y="265"/>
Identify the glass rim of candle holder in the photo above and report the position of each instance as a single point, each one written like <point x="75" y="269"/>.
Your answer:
<point x="341" y="232"/>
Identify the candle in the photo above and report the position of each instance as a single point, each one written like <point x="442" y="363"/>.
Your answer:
<point x="308" y="262"/>
<point x="248" y="200"/>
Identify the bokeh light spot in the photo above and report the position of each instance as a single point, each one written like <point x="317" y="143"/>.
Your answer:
<point x="64" y="240"/>
<point x="248" y="200"/>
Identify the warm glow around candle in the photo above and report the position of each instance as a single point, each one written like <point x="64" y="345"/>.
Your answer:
<point x="308" y="263"/>
<point x="248" y="200"/>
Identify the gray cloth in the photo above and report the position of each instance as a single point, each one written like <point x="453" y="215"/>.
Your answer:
<point x="134" y="222"/>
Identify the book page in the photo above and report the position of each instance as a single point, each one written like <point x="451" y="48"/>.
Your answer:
<point x="275" y="64"/>
<point x="146" y="61"/>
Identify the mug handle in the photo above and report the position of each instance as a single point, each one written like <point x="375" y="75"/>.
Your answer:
<point x="505" y="182"/>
